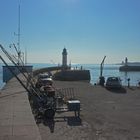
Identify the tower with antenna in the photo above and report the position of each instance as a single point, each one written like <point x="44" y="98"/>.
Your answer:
<point x="21" y="56"/>
<point x="19" y="59"/>
<point x="18" y="50"/>
<point x="18" y="44"/>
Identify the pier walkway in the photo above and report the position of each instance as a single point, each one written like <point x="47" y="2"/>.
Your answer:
<point x="16" y="119"/>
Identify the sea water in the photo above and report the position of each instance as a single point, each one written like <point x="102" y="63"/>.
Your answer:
<point x="109" y="70"/>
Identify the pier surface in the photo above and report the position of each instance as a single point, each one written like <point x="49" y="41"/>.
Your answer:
<point x="16" y="119"/>
<point x="105" y="115"/>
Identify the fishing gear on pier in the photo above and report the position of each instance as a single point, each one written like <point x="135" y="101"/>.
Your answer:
<point x="32" y="90"/>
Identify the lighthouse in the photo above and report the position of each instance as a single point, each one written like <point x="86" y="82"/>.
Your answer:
<point x="126" y="61"/>
<point x="64" y="58"/>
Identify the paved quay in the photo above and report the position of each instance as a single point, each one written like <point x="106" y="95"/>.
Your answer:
<point x="106" y="115"/>
<point x="16" y="119"/>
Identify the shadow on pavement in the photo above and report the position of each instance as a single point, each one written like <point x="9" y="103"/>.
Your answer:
<point x="115" y="90"/>
<point x="71" y="121"/>
<point x="74" y="121"/>
<point x="50" y="123"/>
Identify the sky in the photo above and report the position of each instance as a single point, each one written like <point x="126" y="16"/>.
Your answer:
<point x="88" y="29"/>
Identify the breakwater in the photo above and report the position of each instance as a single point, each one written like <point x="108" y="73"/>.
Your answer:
<point x="129" y="68"/>
<point x="7" y="75"/>
<point x="47" y="69"/>
<point x="72" y="75"/>
<point x="65" y="75"/>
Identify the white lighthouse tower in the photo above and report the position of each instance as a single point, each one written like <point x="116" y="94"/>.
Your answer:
<point x="126" y="61"/>
<point x="64" y="58"/>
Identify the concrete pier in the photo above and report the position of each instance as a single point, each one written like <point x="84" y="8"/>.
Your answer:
<point x="129" y="68"/>
<point x="72" y="75"/>
<point x="16" y="118"/>
<point x="105" y="114"/>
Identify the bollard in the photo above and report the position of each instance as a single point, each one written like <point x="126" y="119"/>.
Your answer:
<point x="128" y="82"/>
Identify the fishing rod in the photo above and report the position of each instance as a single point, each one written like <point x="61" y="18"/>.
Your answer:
<point x="18" y="77"/>
<point x="10" y="58"/>
<point x="14" y="74"/>
<point x="18" y="53"/>
<point x="17" y="66"/>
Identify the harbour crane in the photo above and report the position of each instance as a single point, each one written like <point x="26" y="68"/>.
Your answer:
<point x="102" y="79"/>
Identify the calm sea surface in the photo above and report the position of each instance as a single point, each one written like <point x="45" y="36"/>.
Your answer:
<point x="109" y="70"/>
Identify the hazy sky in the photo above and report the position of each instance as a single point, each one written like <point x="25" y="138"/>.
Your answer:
<point x="89" y="29"/>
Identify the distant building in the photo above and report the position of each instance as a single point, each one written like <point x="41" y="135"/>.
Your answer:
<point x="64" y="58"/>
